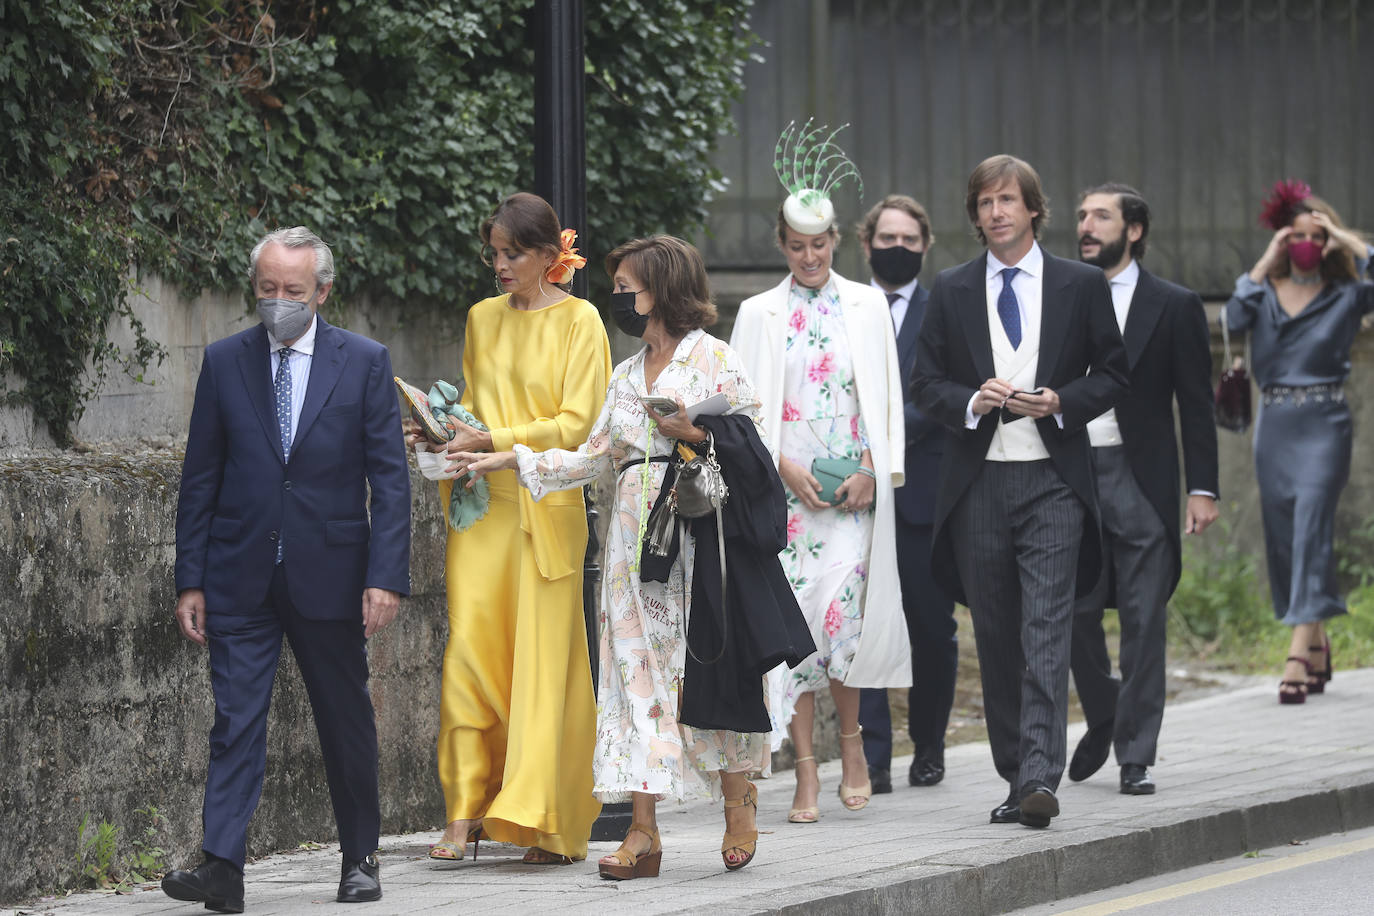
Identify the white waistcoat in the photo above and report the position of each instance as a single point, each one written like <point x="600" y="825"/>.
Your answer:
<point x="1019" y="440"/>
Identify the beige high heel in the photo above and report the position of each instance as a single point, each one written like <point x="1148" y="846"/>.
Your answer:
<point x="747" y="842"/>
<point x="628" y="865"/>
<point x="805" y="815"/>
<point x="450" y="851"/>
<point x="863" y="792"/>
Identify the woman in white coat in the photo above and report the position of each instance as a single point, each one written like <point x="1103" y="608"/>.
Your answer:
<point x="823" y="356"/>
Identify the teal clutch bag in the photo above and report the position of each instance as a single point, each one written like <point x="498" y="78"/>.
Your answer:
<point x="830" y="473"/>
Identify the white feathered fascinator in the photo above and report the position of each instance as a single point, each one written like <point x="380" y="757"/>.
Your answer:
<point x="810" y="165"/>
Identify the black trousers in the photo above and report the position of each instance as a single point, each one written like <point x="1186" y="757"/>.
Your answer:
<point x="932" y="629"/>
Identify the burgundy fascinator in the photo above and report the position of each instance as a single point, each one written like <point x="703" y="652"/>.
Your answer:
<point x="1282" y="203"/>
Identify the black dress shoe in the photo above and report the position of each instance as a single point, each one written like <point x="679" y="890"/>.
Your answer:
<point x="881" y="779"/>
<point x="361" y="881"/>
<point x="1009" y="812"/>
<point x="215" y="882"/>
<point x="927" y="769"/>
<point x="1135" y="780"/>
<point x="1092" y="751"/>
<point x="1038" y="804"/>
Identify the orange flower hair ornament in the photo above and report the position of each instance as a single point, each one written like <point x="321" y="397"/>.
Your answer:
<point x="568" y="260"/>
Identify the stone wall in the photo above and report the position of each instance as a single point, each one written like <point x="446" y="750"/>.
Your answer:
<point x="106" y="708"/>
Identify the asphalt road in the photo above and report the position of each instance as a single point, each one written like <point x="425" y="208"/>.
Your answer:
<point x="1328" y="876"/>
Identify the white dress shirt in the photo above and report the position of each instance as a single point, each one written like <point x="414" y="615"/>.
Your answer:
<point x="899" y="306"/>
<point x="1104" y="430"/>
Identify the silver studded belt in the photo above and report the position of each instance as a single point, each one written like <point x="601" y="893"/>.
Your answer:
<point x="1298" y="395"/>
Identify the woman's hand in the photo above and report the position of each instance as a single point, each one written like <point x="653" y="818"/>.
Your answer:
<point x="468" y="439"/>
<point x="856" y="493"/>
<point x="1278" y="248"/>
<point x="415" y="436"/>
<point x="678" y="426"/>
<point x="480" y="464"/>
<point x="1337" y="237"/>
<point x="801" y="483"/>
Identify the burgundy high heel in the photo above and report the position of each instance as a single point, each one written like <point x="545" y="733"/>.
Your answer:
<point x="1316" y="680"/>
<point x="1293" y="692"/>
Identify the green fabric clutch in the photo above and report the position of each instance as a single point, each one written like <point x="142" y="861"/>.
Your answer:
<point x="830" y="473"/>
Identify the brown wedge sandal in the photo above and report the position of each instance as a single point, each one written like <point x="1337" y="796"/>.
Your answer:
<point x="747" y="843"/>
<point x="628" y="864"/>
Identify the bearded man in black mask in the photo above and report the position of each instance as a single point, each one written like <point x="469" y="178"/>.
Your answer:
<point x="895" y="235"/>
<point x="1135" y="460"/>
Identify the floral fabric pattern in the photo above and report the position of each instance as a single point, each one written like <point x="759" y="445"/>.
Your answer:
<point x="640" y="745"/>
<point x="827" y="550"/>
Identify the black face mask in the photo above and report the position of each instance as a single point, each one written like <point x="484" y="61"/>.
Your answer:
<point x="624" y="315"/>
<point x="895" y="266"/>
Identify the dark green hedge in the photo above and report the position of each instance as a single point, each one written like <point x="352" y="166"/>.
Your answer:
<point x="164" y="136"/>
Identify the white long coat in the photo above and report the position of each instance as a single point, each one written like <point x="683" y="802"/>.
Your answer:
<point x="760" y="338"/>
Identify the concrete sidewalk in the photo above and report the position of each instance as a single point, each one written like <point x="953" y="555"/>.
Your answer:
<point x="1237" y="772"/>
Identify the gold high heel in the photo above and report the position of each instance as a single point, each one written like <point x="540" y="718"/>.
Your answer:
<point x="449" y="851"/>
<point x="628" y="864"/>
<point x="805" y="815"/>
<point x="744" y="842"/>
<point x="863" y="792"/>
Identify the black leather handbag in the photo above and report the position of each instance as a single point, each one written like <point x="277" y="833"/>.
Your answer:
<point x="1232" y="401"/>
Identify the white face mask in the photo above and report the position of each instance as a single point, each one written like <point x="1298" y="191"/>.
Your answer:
<point x="285" y="319"/>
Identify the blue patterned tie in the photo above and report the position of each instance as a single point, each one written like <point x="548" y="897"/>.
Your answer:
<point x="281" y="389"/>
<point x="1008" y="309"/>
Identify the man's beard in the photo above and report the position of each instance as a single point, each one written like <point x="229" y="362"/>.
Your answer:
<point x="1108" y="253"/>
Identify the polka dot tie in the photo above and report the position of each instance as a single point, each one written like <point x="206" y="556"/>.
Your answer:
<point x="1008" y="309"/>
<point x="281" y="388"/>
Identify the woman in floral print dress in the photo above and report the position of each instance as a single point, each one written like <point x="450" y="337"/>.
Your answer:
<point x="643" y="753"/>
<point x="822" y="351"/>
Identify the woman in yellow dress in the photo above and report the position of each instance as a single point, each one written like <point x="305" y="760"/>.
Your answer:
<point x="517" y="718"/>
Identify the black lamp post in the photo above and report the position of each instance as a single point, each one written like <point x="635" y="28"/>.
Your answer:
<point x="560" y="177"/>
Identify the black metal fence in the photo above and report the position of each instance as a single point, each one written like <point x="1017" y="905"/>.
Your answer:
<point x="1202" y="104"/>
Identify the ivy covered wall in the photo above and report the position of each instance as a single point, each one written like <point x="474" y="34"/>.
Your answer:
<point x="165" y="136"/>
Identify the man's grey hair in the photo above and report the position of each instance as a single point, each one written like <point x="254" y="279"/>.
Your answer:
<point x="296" y="237"/>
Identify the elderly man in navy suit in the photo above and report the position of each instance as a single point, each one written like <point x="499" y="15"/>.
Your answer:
<point x="896" y="235"/>
<point x="293" y="520"/>
<point x="1018" y="351"/>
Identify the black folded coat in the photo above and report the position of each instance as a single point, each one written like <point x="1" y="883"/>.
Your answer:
<point x="760" y="622"/>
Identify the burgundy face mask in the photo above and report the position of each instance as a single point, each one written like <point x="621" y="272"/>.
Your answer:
<point x="1305" y="256"/>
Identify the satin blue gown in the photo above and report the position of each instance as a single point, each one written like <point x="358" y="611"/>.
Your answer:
<point x="1302" y="436"/>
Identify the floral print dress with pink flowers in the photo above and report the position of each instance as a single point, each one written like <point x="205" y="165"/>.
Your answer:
<point x="826" y="558"/>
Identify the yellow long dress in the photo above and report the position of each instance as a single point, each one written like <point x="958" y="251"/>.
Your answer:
<point x="517" y="717"/>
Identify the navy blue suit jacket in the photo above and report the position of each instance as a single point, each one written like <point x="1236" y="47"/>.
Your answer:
<point x="925" y="438"/>
<point x="238" y="496"/>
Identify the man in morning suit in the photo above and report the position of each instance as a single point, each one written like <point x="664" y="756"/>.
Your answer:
<point x="293" y="422"/>
<point x="1136" y="461"/>
<point x="895" y="235"/>
<point x="1011" y="335"/>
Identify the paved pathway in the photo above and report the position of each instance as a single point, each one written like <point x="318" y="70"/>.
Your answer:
<point x="1237" y="772"/>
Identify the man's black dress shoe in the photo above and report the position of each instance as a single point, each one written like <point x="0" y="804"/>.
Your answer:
<point x="1009" y="812"/>
<point x="1092" y="751"/>
<point x="881" y="779"/>
<point x="215" y="882"/>
<point x="927" y="769"/>
<point x="1038" y="804"/>
<point x="361" y="881"/>
<point x="1135" y="780"/>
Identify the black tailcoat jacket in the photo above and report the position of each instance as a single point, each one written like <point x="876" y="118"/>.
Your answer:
<point x="1081" y="357"/>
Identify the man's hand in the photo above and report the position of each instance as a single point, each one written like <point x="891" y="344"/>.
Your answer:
<point x="1202" y="511"/>
<point x="991" y="395"/>
<point x="801" y="483"/>
<point x="1026" y="404"/>
<point x="379" y="609"/>
<point x="191" y="615"/>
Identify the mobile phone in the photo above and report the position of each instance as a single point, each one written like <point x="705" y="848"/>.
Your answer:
<point x="1036" y="391"/>
<point x="664" y="407"/>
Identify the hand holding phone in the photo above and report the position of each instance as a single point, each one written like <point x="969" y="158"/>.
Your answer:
<point x="664" y="407"/>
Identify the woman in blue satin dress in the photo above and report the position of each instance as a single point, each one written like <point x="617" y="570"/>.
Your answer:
<point x="1303" y="303"/>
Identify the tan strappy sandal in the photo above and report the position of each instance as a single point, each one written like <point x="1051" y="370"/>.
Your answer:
<point x="804" y="815"/>
<point x="451" y="851"/>
<point x="747" y="843"/>
<point x="863" y="792"/>
<point x="628" y="864"/>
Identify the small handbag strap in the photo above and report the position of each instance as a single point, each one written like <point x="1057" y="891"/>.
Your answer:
<point x="1225" y="339"/>
<point x="724" y="617"/>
